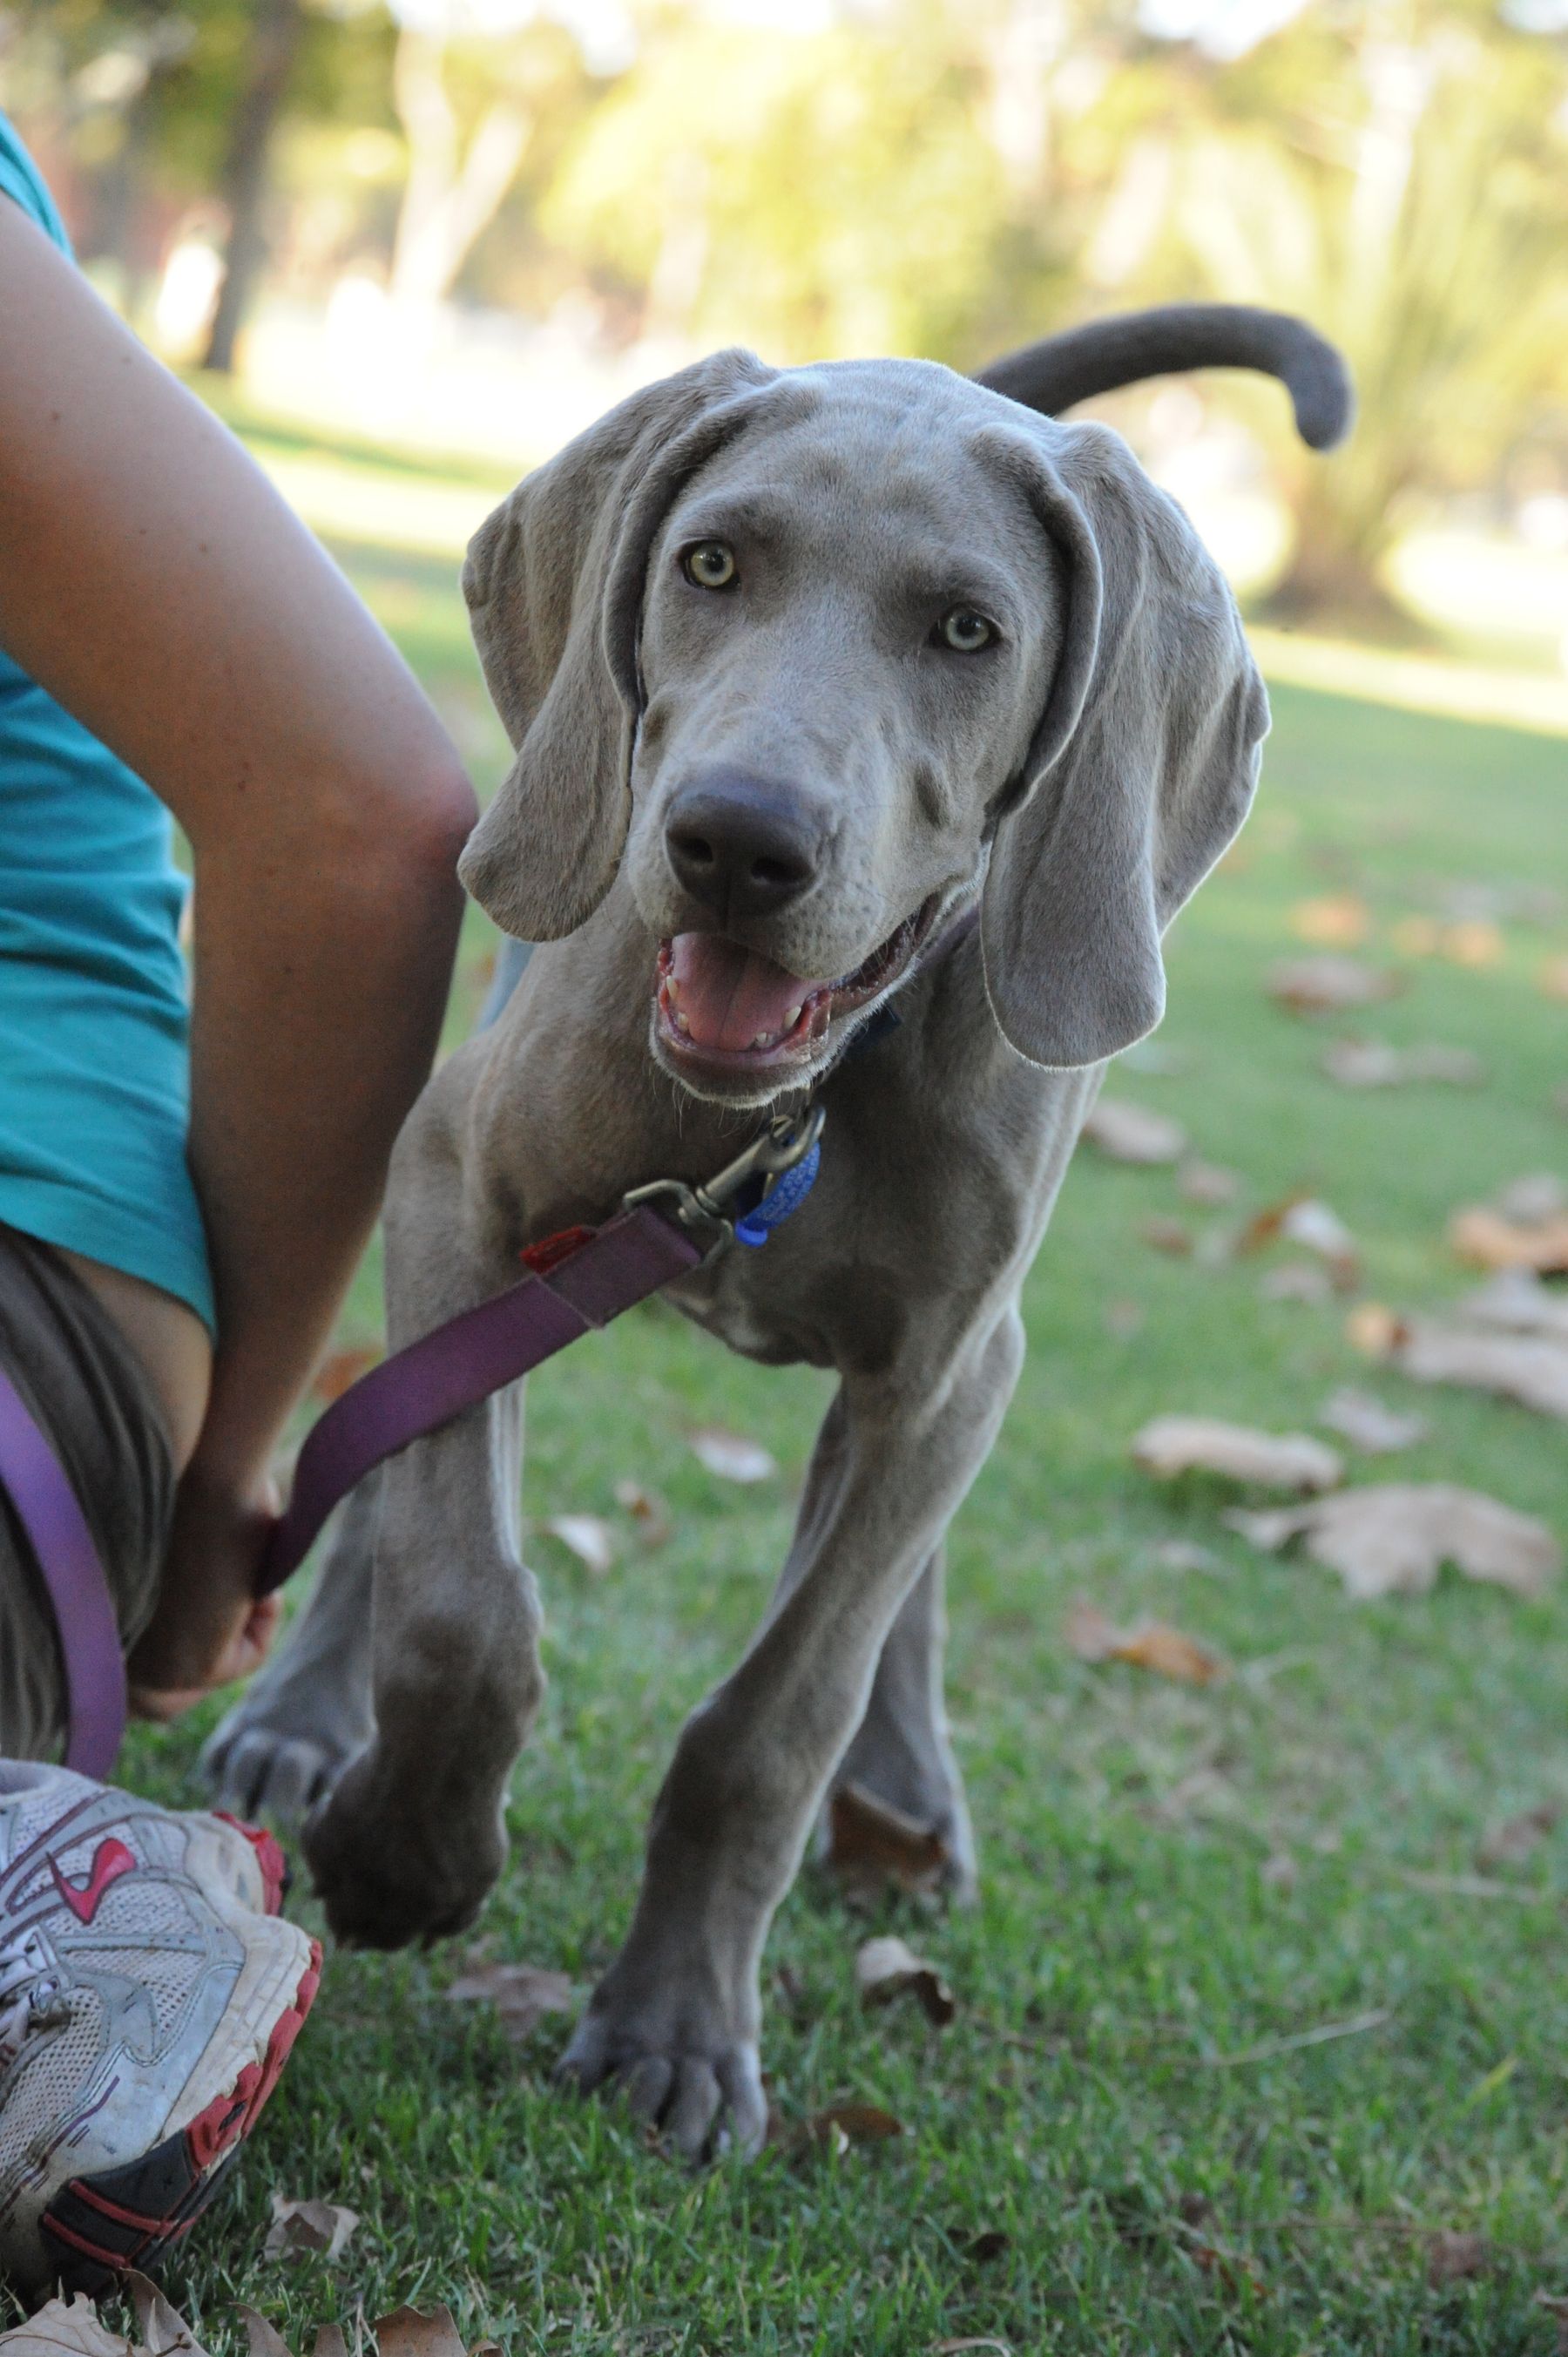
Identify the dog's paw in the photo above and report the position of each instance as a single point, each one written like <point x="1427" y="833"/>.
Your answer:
<point x="389" y="1875"/>
<point x="256" y="1770"/>
<point x="698" y="2090"/>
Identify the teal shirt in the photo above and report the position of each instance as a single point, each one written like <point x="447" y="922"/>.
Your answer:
<point x="94" y="1069"/>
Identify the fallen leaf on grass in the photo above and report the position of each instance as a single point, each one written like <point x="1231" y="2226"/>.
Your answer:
<point x="1278" y="1461"/>
<point x="338" y="1371"/>
<point x="1539" y="1195"/>
<point x="1455" y="2258"/>
<point x="1517" y="1839"/>
<point x="1373" y="1064"/>
<point x="1363" y="1420"/>
<point x="163" y="2328"/>
<point x="888" y="1968"/>
<point x="407" y="2332"/>
<point x="522" y="1995"/>
<point x="1339" y="920"/>
<point x="1304" y="1219"/>
<point x="64" y="2329"/>
<point x="1476" y="942"/>
<point x="1149" y="1645"/>
<point x="1123" y="1319"/>
<point x="1166" y="1235"/>
<point x="842" y="2126"/>
<point x="1552" y="978"/>
<point x="267" y="2340"/>
<point x="1208" y="1183"/>
<point x="648" y="1511"/>
<point x="1326" y="985"/>
<point x="1517" y="1300"/>
<point x="731" y="1456"/>
<point x="1392" y="1538"/>
<point x="1298" y="1280"/>
<point x="1489" y="1239"/>
<point x="302" y="2229"/>
<point x="589" y="1539"/>
<point x="1530" y="1367"/>
<point x="869" y="1841"/>
<point x="1132" y="1132"/>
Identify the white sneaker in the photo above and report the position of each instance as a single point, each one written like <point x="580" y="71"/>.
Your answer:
<point x="149" y="1996"/>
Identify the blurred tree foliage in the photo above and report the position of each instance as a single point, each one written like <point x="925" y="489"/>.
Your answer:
<point x="944" y="177"/>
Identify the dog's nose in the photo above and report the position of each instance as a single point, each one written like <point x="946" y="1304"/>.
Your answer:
<point x="743" y="846"/>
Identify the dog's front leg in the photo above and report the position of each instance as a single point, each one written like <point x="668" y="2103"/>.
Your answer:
<point x="674" y="2023"/>
<point x="412" y="1838"/>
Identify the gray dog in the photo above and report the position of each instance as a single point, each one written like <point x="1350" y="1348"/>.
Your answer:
<point x="829" y="686"/>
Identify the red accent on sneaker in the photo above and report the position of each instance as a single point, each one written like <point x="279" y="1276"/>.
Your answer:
<point x="115" y="2261"/>
<point x="269" y="1857"/>
<point x="235" y="2113"/>
<point x="111" y="1860"/>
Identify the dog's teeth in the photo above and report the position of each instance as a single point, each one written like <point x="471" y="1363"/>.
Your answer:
<point x="766" y="1040"/>
<point x="681" y="1022"/>
<point x="792" y="1017"/>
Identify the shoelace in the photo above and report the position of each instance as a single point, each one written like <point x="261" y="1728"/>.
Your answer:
<point x="30" y="1997"/>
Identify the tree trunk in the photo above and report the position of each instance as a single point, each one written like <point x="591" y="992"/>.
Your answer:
<point x="274" y="44"/>
<point x="451" y="194"/>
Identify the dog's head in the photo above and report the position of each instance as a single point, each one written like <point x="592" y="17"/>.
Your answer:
<point x="817" y="656"/>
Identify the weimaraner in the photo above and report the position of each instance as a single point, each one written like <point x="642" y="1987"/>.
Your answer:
<point x="804" y="668"/>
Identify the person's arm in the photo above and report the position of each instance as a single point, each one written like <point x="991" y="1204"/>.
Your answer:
<point x="152" y="580"/>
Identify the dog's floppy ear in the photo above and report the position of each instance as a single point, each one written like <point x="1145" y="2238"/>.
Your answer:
<point x="1142" y="769"/>
<point x="555" y="582"/>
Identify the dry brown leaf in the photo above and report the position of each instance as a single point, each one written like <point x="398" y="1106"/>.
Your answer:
<point x="1373" y="1328"/>
<point x="1339" y="920"/>
<point x="647" y="1511"/>
<point x="341" y="1369"/>
<point x="1154" y="1645"/>
<point x="522" y="1995"/>
<point x="590" y="1540"/>
<point x="1539" y="1195"/>
<point x="1489" y="1239"/>
<point x="870" y="1841"/>
<point x="1552" y="978"/>
<point x="1277" y="1460"/>
<point x="843" y="2125"/>
<point x="64" y="2329"/>
<point x="1474" y="943"/>
<point x="407" y="2332"/>
<point x="1517" y="1839"/>
<point x="1297" y="1280"/>
<point x="1392" y="1538"/>
<point x="1328" y="986"/>
<point x="300" y="2229"/>
<point x="1166" y="1235"/>
<point x="1517" y="1301"/>
<point x="163" y="2328"/>
<point x="1132" y="1132"/>
<point x="1454" y="2257"/>
<point x="1208" y="1183"/>
<point x="1554" y="2303"/>
<point x="1530" y="1367"/>
<point x="264" y="2339"/>
<point x="731" y="1456"/>
<point x="1373" y="1064"/>
<point x="888" y="1968"/>
<point x="1362" y="1419"/>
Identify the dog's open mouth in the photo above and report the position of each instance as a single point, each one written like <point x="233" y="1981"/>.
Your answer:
<point x="731" y="1009"/>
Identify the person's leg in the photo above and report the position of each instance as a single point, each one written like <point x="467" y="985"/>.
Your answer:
<point x="149" y="1990"/>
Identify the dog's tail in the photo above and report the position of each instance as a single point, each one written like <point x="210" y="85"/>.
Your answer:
<point x="1054" y="374"/>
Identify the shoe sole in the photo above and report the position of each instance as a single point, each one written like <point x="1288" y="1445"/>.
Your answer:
<point x="96" y="2227"/>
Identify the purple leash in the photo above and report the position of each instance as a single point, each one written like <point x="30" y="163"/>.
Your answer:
<point x="586" y="1277"/>
<point x="47" y="1508"/>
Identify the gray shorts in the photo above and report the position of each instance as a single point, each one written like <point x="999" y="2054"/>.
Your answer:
<point x="86" y="1389"/>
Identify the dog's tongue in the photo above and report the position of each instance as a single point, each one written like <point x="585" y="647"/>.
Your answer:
<point x="729" y="996"/>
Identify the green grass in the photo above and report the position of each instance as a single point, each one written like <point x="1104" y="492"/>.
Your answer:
<point x="1128" y="1937"/>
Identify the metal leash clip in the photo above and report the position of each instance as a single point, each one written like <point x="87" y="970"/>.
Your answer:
<point x="787" y="1140"/>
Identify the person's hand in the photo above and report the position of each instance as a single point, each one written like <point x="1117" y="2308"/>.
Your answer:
<point x="210" y="1627"/>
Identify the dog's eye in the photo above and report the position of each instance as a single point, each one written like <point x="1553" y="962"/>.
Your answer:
<point x="964" y="630"/>
<point x="711" y="565"/>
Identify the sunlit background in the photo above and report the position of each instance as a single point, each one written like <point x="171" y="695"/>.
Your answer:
<point x="463" y="226"/>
